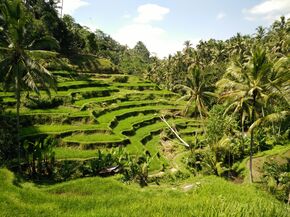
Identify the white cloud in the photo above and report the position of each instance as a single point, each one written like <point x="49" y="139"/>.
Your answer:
<point x="70" y="6"/>
<point x="141" y="29"/>
<point x="155" y="38"/>
<point x="268" y="10"/>
<point x="150" y="12"/>
<point x="126" y="16"/>
<point x="220" y="16"/>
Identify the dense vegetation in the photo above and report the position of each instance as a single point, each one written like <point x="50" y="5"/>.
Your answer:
<point x="76" y="104"/>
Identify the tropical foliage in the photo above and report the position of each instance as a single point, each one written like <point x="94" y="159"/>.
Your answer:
<point x="225" y="101"/>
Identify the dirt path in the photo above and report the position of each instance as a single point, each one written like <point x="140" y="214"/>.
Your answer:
<point x="258" y="162"/>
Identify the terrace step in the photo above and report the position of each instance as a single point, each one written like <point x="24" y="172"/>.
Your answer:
<point x="69" y="153"/>
<point x="137" y="86"/>
<point x="39" y="118"/>
<point x="61" y="130"/>
<point x="191" y="130"/>
<point x="129" y="125"/>
<point x="131" y="104"/>
<point x="99" y="100"/>
<point x="149" y="120"/>
<point x="150" y="94"/>
<point x="70" y="85"/>
<point x="112" y="118"/>
<point x="94" y="141"/>
<point x="145" y="134"/>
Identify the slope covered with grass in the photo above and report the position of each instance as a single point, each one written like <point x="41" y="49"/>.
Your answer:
<point x="97" y="111"/>
<point x="208" y="196"/>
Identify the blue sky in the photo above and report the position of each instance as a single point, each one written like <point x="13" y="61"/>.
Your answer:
<point x="163" y="25"/>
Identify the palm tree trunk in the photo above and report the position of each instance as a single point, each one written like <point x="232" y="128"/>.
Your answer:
<point x="252" y="139"/>
<point x="251" y="156"/>
<point x="17" y="119"/>
<point x="243" y="132"/>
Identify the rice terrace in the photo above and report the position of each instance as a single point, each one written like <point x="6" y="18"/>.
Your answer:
<point x="126" y="124"/>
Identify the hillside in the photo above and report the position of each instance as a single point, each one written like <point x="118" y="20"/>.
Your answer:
<point x="208" y="196"/>
<point x="93" y="125"/>
<point x="99" y="111"/>
<point x="103" y="111"/>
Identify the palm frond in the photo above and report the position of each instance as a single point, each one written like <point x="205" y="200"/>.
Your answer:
<point x="226" y="84"/>
<point x="207" y="93"/>
<point x="274" y="117"/>
<point x="39" y="74"/>
<point x="46" y="42"/>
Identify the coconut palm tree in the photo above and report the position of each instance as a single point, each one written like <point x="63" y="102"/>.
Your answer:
<point x="279" y="37"/>
<point x="18" y="69"/>
<point x="250" y="86"/>
<point x="197" y="91"/>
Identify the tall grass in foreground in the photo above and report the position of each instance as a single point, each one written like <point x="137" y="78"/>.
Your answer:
<point x="210" y="196"/>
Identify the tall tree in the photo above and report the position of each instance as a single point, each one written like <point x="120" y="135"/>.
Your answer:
<point x="253" y="84"/>
<point x="197" y="91"/>
<point x="141" y="50"/>
<point x="18" y="69"/>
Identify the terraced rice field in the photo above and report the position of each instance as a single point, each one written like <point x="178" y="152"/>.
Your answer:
<point x="96" y="112"/>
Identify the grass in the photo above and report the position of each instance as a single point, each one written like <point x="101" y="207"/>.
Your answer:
<point x="97" y="100"/>
<point x="163" y="93"/>
<point x="6" y="94"/>
<point x="79" y="83"/>
<point x="73" y="153"/>
<point x="121" y="95"/>
<point x="110" y="116"/>
<point x="133" y="104"/>
<point x="84" y="90"/>
<point x="9" y="99"/>
<point x="27" y="111"/>
<point x="136" y="146"/>
<point x="209" y="196"/>
<point x="191" y="130"/>
<point x="156" y="163"/>
<point x="191" y="139"/>
<point x="60" y="129"/>
<point x="95" y="138"/>
<point x="136" y="86"/>
<point x="127" y="124"/>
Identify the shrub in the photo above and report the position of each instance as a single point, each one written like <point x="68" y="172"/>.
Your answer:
<point x="121" y="79"/>
<point x="42" y="103"/>
<point x="136" y="169"/>
<point x="8" y="147"/>
<point x="276" y="179"/>
<point x="40" y="157"/>
<point x="218" y="124"/>
<point x="7" y="137"/>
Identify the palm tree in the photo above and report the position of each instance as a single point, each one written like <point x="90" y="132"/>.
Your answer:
<point x="278" y="37"/>
<point x="250" y="86"/>
<point x="18" y="69"/>
<point x="261" y="32"/>
<point x="197" y="91"/>
<point x="187" y="47"/>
